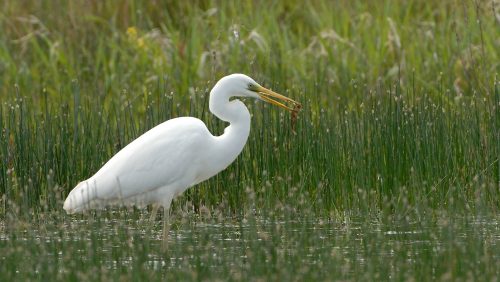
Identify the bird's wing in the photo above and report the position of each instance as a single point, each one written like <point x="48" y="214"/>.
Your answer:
<point x="166" y="156"/>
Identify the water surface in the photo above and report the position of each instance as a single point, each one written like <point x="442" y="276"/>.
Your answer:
<point x="250" y="248"/>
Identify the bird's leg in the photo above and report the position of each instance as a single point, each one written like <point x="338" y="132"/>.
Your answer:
<point x="166" y="226"/>
<point x="154" y="211"/>
<point x="152" y="217"/>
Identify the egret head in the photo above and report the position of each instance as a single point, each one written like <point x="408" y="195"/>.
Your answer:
<point x="244" y="86"/>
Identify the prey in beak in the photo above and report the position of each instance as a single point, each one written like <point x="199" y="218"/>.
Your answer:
<point x="277" y="99"/>
<point x="280" y="101"/>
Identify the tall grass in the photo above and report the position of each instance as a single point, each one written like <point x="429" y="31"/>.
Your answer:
<point x="405" y="149"/>
<point x="400" y="99"/>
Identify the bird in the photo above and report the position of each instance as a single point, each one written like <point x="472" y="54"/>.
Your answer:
<point x="175" y="155"/>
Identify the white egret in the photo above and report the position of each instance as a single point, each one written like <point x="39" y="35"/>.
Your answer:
<point x="176" y="154"/>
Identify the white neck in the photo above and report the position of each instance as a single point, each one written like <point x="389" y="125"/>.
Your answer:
<point x="230" y="144"/>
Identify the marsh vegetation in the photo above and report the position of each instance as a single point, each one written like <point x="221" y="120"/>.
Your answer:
<point x="392" y="171"/>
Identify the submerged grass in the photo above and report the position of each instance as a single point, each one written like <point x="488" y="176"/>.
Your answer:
<point x="392" y="171"/>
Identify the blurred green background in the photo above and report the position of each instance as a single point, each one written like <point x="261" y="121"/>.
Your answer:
<point x="110" y="46"/>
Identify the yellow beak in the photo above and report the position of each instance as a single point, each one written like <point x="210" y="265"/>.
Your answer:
<point x="268" y="95"/>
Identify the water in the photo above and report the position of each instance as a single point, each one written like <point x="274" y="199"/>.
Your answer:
<point x="116" y="247"/>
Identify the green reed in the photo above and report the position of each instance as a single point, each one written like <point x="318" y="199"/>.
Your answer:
<point x="408" y="149"/>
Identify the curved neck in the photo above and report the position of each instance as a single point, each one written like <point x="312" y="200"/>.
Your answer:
<point x="231" y="143"/>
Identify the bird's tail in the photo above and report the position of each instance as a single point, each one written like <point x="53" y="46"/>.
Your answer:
<point x="80" y="198"/>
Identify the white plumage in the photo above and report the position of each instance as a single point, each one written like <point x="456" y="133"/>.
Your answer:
<point x="154" y="168"/>
<point x="175" y="155"/>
